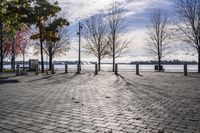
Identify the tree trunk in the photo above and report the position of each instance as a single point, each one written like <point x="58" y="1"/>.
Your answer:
<point x="13" y="54"/>
<point x="158" y="44"/>
<point x="41" y="50"/>
<point x="23" y="59"/>
<point x="199" y="60"/>
<point x="50" y="57"/>
<point x="99" y="63"/>
<point x="50" y="62"/>
<point x="79" y="55"/>
<point x="42" y="59"/>
<point x="159" y="64"/>
<point x="113" y="54"/>
<point x="99" y="58"/>
<point x="1" y="47"/>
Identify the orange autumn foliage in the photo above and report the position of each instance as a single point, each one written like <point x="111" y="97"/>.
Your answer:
<point x="21" y="41"/>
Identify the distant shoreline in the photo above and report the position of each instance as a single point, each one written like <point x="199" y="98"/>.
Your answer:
<point x="174" y="62"/>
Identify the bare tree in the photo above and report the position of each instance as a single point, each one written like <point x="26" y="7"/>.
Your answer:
<point x="58" y="48"/>
<point x="189" y="24"/>
<point x="116" y="25"/>
<point x="158" y="35"/>
<point x="95" y="34"/>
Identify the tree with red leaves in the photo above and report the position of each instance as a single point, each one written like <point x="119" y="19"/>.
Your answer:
<point x="16" y="45"/>
<point x="22" y="40"/>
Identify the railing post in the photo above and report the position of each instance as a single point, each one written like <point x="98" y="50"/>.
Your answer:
<point x="185" y="70"/>
<point x="52" y="69"/>
<point x="18" y="70"/>
<point x="116" y="69"/>
<point x="137" y="69"/>
<point x="66" y="68"/>
<point x="96" y="71"/>
<point x="37" y="70"/>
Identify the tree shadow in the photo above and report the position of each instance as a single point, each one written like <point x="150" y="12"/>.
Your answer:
<point x="1" y="78"/>
<point x="125" y="80"/>
<point x="194" y="76"/>
<point x="140" y="75"/>
<point x="124" y="77"/>
<point x="155" y="100"/>
<point x="46" y="77"/>
<point x="5" y="81"/>
<point x="50" y="76"/>
<point x="7" y="76"/>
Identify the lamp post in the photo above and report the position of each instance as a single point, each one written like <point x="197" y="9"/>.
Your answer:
<point x="1" y="47"/>
<point x="79" y="50"/>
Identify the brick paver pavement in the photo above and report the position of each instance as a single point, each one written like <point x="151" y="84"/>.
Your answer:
<point x="104" y="103"/>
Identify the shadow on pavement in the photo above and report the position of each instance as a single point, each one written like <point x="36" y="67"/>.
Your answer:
<point x="194" y="76"/>
<point x="50" y="76"/>
<point x="46" y="77"/>
<point x="3" y="78"/>
<point x="3" y="81"/>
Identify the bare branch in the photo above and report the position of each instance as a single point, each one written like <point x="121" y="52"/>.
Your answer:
<point x="188" y="23"/>
<point x="95" y="34"/>
<point x="158" y="35"/>
<point x="116" y="23"/>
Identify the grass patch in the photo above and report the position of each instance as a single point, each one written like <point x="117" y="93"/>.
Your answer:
<point x="8" y="70"/>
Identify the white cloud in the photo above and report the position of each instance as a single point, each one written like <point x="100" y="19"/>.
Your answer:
<point x="80" y="9"/>
<point x="76" y="10"/>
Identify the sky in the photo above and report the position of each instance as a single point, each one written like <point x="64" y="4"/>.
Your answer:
<point x="137" y="16"/>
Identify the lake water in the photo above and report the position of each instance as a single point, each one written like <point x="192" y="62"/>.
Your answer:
<point x="123" y="67"/>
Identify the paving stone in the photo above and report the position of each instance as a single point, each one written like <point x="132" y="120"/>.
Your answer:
<point x="64" y="103"/>
<point x="87" y="131"/>
<point x="6" y="131"/>
<point x="20" y="130"/>
<point x="61" y="130"/>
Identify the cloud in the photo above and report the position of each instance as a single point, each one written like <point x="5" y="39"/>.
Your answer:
<point x="80" y="9"/>
<point x="137" y="13"/>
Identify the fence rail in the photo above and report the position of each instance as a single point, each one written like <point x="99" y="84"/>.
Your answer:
<point x="128" y="68"/>
<point x="121" y="68"/>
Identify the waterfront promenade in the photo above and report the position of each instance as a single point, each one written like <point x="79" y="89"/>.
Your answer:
<point x="64" y="103"/>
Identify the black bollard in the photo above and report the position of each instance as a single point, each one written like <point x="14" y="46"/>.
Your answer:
<point x="185" y="70"/>
<point x="137" y="69"/>
<point x="37" y="70"/>
<point x="18" y="70"/>
<point x="66" y="68"/>
<point x="52" y="69"/>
